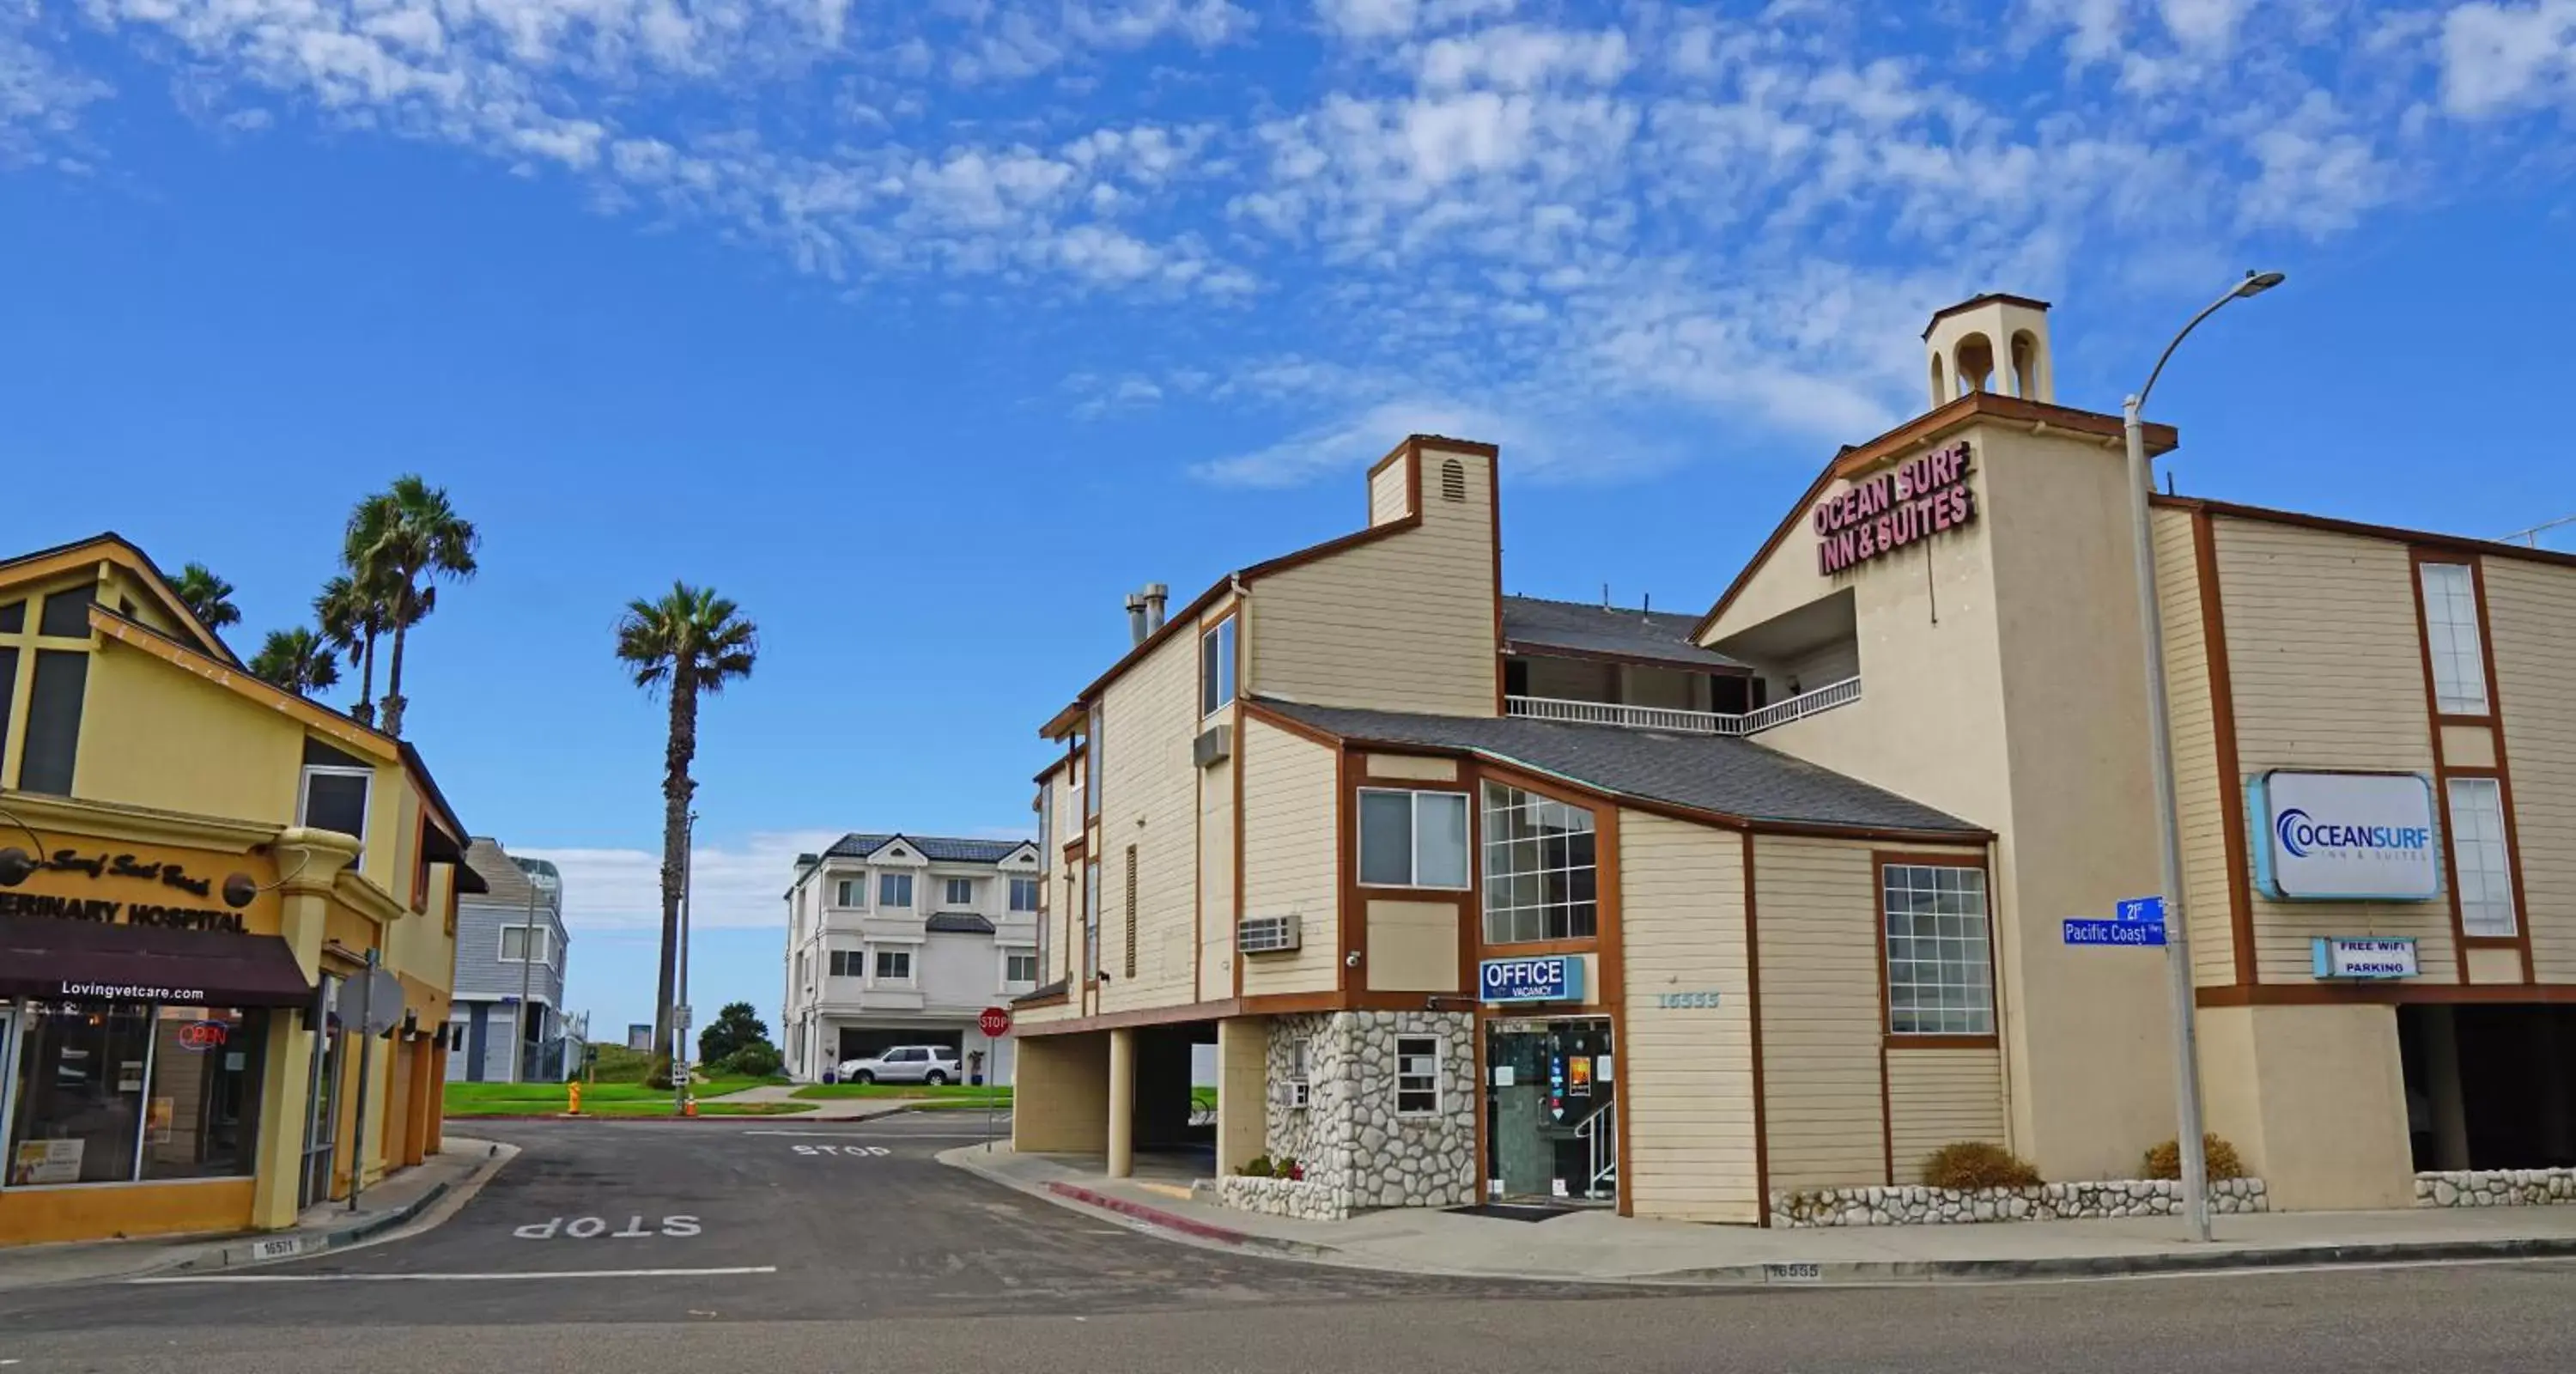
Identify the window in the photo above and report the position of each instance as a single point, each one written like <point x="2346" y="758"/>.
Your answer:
<point x="1091" y="764"/>
<point x="1940" y="980"/>
<point x="1024" y="894"/>
<point x="960" y="892"/>
<point x="846" y="963"/>
<point x="2479" y="852"/>
<point x="1216" y="667"/>
<point x="124" y="1091"/>
<point x="894" y="889"/>
<point x="2451" y="638"/>
<point x="1090" y="920"/>
<point x="201" y="1118"/>
<point x="52" y="746"/>
<point x="514" y="944"/>
<point x="66" y="614"/>
<point x="1417" y="1075"/>
<point x="1020" y="966"/>
<point x="335" y="798"/>
<point x="850" y="892"/>
<point x="1539" y="875"/>
<point x="1413" y="839"/>
<point x="8" y="699"/>
<point x="894" y="966"/>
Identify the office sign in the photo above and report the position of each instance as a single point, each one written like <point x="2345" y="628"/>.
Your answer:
<point x="2329" y="837"/>
<point x="1536" y="978"/>
<point x="2346" y="956"/>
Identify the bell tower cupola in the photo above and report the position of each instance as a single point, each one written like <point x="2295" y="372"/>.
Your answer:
<point x="1994" y="343"/>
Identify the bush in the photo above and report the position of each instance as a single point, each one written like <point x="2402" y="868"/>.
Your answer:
<point x="1259" y="1166"/>
<point x="2165" y="1161"/>
<point x="1969" y="1164"/>
<point x="759" y="1059"/>
<point x="618" y="1064"/>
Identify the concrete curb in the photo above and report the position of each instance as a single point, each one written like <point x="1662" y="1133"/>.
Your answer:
<point x="272" y="1249"/>
<point x="1861" y="1273"/>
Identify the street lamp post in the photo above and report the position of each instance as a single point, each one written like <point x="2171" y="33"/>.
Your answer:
<point x="527" y="965"/>
<point x="2195" y="1166"/>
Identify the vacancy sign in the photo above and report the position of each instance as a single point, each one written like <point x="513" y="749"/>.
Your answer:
<point x="2345" y="837"/>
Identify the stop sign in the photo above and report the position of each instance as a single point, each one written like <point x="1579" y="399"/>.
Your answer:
<point x="995" y="1023"/>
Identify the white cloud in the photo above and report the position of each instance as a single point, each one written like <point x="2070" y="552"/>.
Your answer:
<point x="2499" y="56"/>
<point x="1353" y="442"/>
<point x="1367" y="19"/>
<point x="738" y="885"/>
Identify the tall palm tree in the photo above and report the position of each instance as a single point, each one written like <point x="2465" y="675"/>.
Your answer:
<point x="397" y="538"/>
<point x="208" y="596"/>
<point x="298" y="660"/>
<point x="691" y="641"/>
<point x="353" y="615"/>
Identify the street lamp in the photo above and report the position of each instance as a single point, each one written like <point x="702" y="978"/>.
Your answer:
<point x="550" y="885"/>
<point x="2195" y="1166"/>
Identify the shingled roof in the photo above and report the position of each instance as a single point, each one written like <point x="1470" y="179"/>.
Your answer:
<point x="507" y="883"/>
<point x="1713" y="773"/>
<point x="936" y="848"/>
<point x="1532" y="625"/>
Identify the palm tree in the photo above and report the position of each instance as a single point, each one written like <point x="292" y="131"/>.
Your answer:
<point x="298" y="660"/>
<point x="691" y="641"/>
<point x="396" y="538"/>
<point x="352" y="616"/>
<point x="209" y="598"/>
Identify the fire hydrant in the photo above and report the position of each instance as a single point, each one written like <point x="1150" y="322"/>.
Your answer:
<point x="689" y="1105"/>
<point x="575" y="1090"/>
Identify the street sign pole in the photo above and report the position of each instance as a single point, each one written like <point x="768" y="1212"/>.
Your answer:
<point x="994" y="1022"/>
<point x="366" y="1046"/>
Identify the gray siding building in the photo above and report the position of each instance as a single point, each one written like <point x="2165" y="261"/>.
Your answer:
<point x="496" y="935"/>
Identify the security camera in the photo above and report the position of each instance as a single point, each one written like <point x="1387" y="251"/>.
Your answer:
<point x="1351" y="960"/>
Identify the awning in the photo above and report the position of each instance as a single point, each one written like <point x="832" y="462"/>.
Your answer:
<point x="56" y="960"/>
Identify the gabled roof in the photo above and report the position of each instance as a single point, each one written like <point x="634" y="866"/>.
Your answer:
<point x="1580" y="629"/>
<point x="1719" y="776"/>
<point x="956" y="923"/>
<point x="936" y="848"/>
<point x="116" y="548"/>
<point x="505" y="882"/>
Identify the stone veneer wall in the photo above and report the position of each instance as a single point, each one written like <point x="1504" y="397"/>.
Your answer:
<point x="2495" y="1187"/>
<point x="1917" y="1205"/>
<point x="1348" y="1136"/>
<point x="1278" y="1197"/>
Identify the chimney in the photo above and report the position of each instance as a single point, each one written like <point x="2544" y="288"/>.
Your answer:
<point x="1136" y="630"/>
<point x="1156" y="594"/>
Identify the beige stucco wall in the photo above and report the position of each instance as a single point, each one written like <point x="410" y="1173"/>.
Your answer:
<point x="1687" y="1071"/>
<point x="1402" y="623"/>
<point x="1938" y="1097"/>
<point x="2327" y="691"/>
<point x="154" y="736"/>
<point x="1291" y="856"/>
<point x="1817" y="918"/>
<point x="2314" y="1100"/>
<point x="1060" y="1094"/>
<point x="2198" y="787"/>
<point x="2531" y="608"/>
<point x="1412" y="946"/>
<point x="1242" y="1090"/>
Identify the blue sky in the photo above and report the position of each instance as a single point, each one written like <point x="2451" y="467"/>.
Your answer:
<point x="927" y="330"/>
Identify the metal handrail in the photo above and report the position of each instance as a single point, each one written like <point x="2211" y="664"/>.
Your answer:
<point x="1600" y="1136"/>
<point x="1799" y="707"/>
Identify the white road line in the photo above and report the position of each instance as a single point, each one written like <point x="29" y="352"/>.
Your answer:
<point x="517" y="1275"/>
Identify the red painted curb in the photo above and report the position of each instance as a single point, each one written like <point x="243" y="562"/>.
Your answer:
<point x="1156" y="1215"/>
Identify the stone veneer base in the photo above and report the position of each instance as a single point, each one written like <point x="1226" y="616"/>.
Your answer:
<point x="1303" y="1200"/>
<point x="1922" y="1206"/>
<point x="2495" y="1188"/>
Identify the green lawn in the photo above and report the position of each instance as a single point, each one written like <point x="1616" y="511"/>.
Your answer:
<point x="606" y="1099"/>
<point x="947" y="1093"/>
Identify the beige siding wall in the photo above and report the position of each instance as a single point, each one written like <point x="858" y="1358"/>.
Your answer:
<point x="1388" y="494"/>
<point x="2197" y="784"/>
<point x="1568" y="679"/>
<point x="2495" y="965"/>
<point x="1216" y="879"/>
<point x="1817" y="914"/>
<point x="2468" y="746"/>
<point x="2327" y="691"/>
<point x="1669" y="688"/>
<point x="1413" y="946"/>
<point x="1149" y="799"/>
<point x="1936" y="1097"/>
<point x="1688" y="1072"/>
<point x="2531" y="610"/>
<point x="1403" y="623"/>
<point x="1291" y="853"/>
<point x="1413" y="767"/>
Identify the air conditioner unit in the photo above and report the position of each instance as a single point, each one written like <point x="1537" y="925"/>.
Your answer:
<point x="1214" y="745"/>
<point x="1295" y="1093"/>
<point x="1266" y="934"/>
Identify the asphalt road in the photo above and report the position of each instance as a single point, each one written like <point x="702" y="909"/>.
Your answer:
<point x="770" y="1246"/>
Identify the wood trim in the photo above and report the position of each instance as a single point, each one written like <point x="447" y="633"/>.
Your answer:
<point x="1529" y="949"/>
<point x="2403" y="994"/>
<point x="1309" y="733"/>
<point x="2503" y="773"/>
<point x="2415" y="561"/>
<point x="1753" y="1018"/>
<point x="381" y="747"/>
<point x="1234" y="926"/>
<point x="1350" y="967"/>
<point x="2231" y="769"/>
<point x="1889" y="1041"/>
<point x="2448" y="543"/>
<point x="1942" y="1042"/>
<point x="1494" y="516"/>
<point x="1886" y="1016"/>
<point x="1613" y="961"/>
<point x="1141" y="1016"/>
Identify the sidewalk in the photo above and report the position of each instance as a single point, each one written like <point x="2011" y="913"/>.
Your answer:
<point x="826" y="1109"/>
<point x="463" y="1167"/>
<point x="1600" y="1247"/>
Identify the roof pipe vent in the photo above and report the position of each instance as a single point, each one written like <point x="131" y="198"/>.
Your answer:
<point x="1136" y="630"/>
<point x="1157" y="596"/>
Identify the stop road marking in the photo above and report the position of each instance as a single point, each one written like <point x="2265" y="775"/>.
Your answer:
<point x="868" y="1150"/>
<point x="591" y="1228"/>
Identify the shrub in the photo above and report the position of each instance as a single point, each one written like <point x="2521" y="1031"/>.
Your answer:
<point x="2165" y="1161"/>
<point x="1259" y="1166"/>
<point x="1291" y="1170"/>
<point x="759" y="1059"/>
<point x="1969" y="1164"/>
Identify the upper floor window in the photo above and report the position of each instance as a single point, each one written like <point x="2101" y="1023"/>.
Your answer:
<point x="958" y="892"/>
<point x="2479" y="852"/>
<point x="1024" y="894"/>
<point x="894" y="889"/>
<point x="1091" y="765"/>
<point x="847" y="963"/>
<point x="1020" y="966"/>
<point x="515" y="943"/>
<point x="850" y="892"/>
<point x="894" y="966"/>
<point x="1940" y="975"/>
<point x="1090" y="920"/>
<point x="1413" y="839"/>
<point x="1539" y="874"/>
<point x="335" y="797"/>
<point x="2451" y="639"/>
<point x="1216" y="667"/>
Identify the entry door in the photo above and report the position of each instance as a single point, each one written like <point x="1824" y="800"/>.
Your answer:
<point x="322" y="1102"/>
<point x="1551" y="1131"/>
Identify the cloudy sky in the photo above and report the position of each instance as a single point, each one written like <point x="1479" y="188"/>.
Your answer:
<point x="928" y="329"/>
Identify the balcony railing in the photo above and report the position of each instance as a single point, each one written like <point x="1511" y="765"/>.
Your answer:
<point x="1665" y="718"/>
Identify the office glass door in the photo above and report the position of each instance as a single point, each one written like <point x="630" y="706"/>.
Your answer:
<point x="1551" y="1130"/>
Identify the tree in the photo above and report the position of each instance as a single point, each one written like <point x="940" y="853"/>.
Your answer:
<point x="734" y="1028"/>
<point x="397" y="538"/>
<point x="353" y="615"/>
<point x="209" y="598"/>
<point x="692" y="641"/>
<point x="298" y="660"/>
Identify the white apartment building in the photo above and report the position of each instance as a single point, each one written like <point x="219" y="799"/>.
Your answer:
<point x="904" y="940"/>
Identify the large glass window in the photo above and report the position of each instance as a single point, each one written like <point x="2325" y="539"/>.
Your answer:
<point x="1539" y="874"/>
<point x="960" y="892"/>
<point x="1216" y="667"/>
<point x="515" y="944"/>
<point x="894" y="889"/>
<point x="1940" y="980"/>
<point x="1413" y="839"/>
<point x="850" y="892"/>
<point x="2451" y="637"/>
<point x="894" y="966"/>
<point x="202" y="1117"/>
<point x="1091" y="764"/>
<point x="1024" y="894"/>
<point x="1019" y="966"/>
<point x="2479" y="853"/>
<point x="66" y="614"/>
<point x="81" y="1070"/>
<point x="52" y="746"/>
<point x="336" y="799"/>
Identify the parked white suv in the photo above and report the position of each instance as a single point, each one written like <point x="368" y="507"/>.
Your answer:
<point x="932" y="1064"/>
